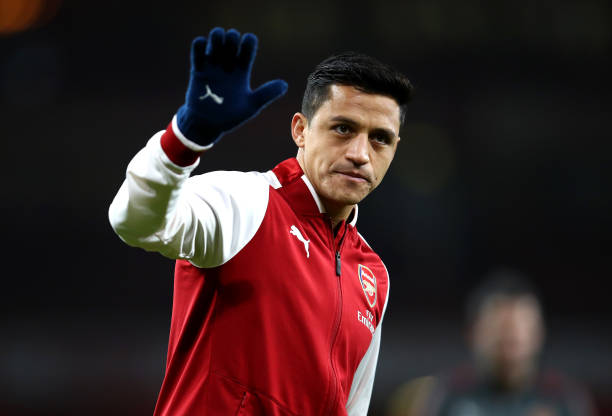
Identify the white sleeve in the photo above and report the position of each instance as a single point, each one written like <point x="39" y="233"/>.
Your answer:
<point x="363" y="381"/>
<point x="205" y="219"/>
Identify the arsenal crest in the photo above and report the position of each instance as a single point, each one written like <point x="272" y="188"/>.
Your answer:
<point x="368" y="284"/>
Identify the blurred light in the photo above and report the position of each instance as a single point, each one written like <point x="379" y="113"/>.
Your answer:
<point x="20" y="15"/>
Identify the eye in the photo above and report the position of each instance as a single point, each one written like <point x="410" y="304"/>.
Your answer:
<point x="381" y="138"/>
<point x="342" y="129"/>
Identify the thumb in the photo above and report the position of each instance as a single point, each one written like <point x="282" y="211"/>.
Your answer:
<point x="269" y="92"/>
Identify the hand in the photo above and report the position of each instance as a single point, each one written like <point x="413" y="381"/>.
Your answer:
<point x="219" y="97"/>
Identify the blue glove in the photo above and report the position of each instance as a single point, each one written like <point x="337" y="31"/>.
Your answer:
<point x="219" y="97"/>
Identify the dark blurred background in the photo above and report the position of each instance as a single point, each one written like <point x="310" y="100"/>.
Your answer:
<point x="504" y="161"/>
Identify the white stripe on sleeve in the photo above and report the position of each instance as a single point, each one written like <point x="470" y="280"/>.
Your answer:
<point x="206" y="219"/>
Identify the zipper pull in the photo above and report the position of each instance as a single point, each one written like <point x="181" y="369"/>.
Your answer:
<point x="338" y="265"/>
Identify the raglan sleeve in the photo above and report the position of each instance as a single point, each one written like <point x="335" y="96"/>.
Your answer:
<point x="205" y="219"/>
<point x="363" y="381"/>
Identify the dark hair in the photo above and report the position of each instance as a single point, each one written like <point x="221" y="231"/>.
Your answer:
<point x="502" y="282"/>
<point x="360" y="71"/>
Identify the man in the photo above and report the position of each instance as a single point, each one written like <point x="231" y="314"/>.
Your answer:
<point x="506" y="334"/>
<point x="277" y="299"/>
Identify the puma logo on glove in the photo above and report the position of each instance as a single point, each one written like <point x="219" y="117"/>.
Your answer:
<point x="209" y="93"/>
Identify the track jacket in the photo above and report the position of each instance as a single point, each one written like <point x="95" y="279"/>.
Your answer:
<point x="272" y="313"/>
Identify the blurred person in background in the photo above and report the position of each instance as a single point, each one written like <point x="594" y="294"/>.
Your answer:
<point x="506" y="332"/>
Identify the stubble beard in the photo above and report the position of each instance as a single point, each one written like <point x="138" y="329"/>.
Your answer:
<point x="342" y="194"/>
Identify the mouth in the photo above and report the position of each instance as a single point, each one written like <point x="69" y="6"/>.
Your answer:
<point x="354" y="176"/>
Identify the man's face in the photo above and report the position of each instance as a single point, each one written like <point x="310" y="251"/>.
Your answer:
<point x="348" y="145"/>
<point x="508" y="334"/>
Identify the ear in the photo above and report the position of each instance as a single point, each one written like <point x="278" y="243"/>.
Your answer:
<point x="299" y="124"/>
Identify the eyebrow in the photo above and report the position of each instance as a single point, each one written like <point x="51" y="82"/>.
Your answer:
<point x="346" y="120"/>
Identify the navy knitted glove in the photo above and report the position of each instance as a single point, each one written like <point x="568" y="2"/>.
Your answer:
<point x="219" y="97"/>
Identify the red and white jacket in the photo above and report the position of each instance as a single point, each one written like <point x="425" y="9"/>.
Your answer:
<point x="272" y="313"/>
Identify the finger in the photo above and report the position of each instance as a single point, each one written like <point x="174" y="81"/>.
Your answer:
<point x="216" y="37"/>
<point x="232" y="39"/>
<point x="248" y="49"/>
<point x="198" y="53"/>
<point x="269" y="92"/>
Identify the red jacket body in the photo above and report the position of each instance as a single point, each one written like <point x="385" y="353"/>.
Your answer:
<point x="273" y="313"/>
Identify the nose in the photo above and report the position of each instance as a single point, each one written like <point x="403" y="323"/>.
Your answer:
<point x="358" y="150"/>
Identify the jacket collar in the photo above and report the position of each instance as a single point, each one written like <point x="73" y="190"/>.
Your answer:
<point x="299" y="191"/>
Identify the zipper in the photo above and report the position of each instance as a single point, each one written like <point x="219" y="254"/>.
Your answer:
<point x="340" y="243"/>
<point x="338" y="270"/>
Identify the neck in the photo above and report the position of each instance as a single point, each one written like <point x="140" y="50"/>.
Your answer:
<point x="339" y="214"/>
<point x="512" y="377"/>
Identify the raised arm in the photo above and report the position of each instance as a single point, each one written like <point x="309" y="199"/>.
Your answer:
<point x="157" y="207"/>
